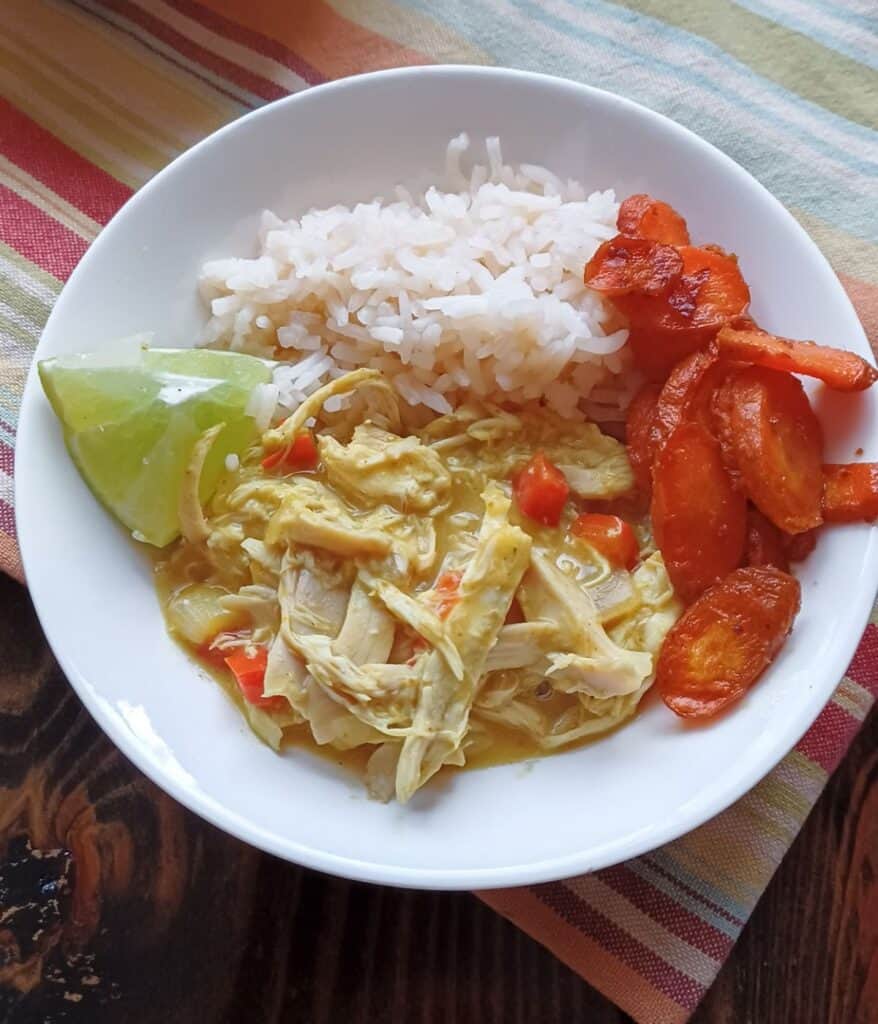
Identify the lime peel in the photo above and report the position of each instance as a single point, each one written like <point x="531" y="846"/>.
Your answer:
<point x="130" y="425"/>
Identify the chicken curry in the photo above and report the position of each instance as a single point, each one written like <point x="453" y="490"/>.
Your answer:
<point x="372" y="583"/>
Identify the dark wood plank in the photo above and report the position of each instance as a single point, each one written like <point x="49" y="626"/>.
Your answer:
<point x="144" y="914"/>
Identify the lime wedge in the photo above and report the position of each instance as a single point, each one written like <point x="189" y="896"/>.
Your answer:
<point x="130" y="422"/>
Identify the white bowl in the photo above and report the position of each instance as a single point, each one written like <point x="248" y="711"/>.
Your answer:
<point x="646" y="784"/>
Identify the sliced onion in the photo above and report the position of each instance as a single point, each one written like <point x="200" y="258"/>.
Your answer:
<point x="196" y="612"/>
<point x="614" y="596"/>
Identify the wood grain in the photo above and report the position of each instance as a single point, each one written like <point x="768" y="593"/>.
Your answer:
<point x="139" y="912"/>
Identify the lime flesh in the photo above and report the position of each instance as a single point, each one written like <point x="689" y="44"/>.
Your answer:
<point x="130" y="424"/>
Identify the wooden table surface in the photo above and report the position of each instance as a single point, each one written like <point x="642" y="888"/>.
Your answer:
<point x="144" y="914"/>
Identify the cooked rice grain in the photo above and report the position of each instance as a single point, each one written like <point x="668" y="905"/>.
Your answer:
<point x="477" y="289"/>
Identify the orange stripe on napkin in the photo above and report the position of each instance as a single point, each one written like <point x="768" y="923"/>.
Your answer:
<point x="69" y="175"/>
<point x="156" y="28"/>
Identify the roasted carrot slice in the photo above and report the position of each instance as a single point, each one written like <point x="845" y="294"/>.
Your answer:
<point x="765" y="542"/>
<point x="725" y="641"/>
<point x="644" y="217"/>
<point x="654" y="415"/>
<point x="850" y="492"/>
<point x="699" y="519"/>
<point x="799" y="545"/>
<point x="622" y="266"/>
<point x="838" y="369"/>
<point x="711" y="290"/>
<point x="687" y="393"/>
<point x="687" y="316"/>
<point x="708" y="293"/>
<point x="773" y="443"/>
<point x="745" y="322"/>
<point x="657" y="350"/>
<point x="639" y="435"/>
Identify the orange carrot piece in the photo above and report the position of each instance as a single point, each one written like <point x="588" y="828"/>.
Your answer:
<point x="765" y="542"/>
<point x="799" y="545"/>
<point x="665" y="328"/>
<point x="657" y="350"/>
<point x="771" y="438"/>
<point x="622" y="266"/>
<point x="644" y="217"/>
<point x="611" y="535"/>
<point x="837" y="368"/>
<point x="541" y="490"/>
<point x="699" y="519"/>
<point x="299" y="455"/>
<point x="653" y="415"/>
<point x="723" y="643"/>
<point x="850" y="492"/>
<point x="708" y="293"/>
<point x="639" y="435"/>
<point x="249" y="673"/>
<point x="687" y="393"/>
<point x="447" y="591"/>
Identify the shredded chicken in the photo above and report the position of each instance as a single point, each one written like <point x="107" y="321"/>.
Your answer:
<point x="590" y="662"/>
<point x="315" y="516"/>
<point x="486" y="592"/>
<point x="358" y="379"/>
<point x="610" y="479"/>
<point x="367" y="632"/>
<point x="377" y="467"/>
<point x="521" y="645"/>
<point x="419" y="618"/>
<point x="193" y="525"/>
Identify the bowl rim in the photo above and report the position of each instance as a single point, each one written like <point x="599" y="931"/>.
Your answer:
<point x="211" y="809"/>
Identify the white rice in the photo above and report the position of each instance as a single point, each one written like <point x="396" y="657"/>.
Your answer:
<point x="473" y="290"/>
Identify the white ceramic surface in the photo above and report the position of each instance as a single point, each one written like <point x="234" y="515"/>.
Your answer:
<point x="644" y="785"/>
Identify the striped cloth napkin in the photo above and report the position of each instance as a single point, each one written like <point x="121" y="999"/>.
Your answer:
<point x="97" y="95"/>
